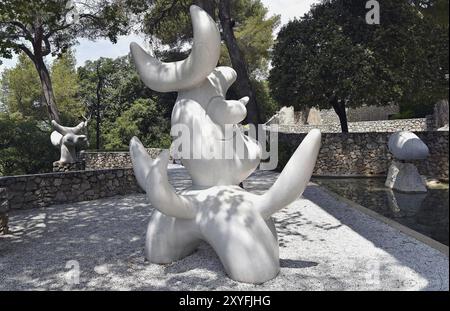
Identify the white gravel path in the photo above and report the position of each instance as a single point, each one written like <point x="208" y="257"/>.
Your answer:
<point x="324" y="245"/>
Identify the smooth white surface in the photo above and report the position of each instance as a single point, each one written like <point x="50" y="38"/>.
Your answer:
<point x="67" y="139"/>
<point x="236" y="223"/>
<point x="168" y="77"/>
<point x="407" y="146"/>
<point x="405" y="177"/>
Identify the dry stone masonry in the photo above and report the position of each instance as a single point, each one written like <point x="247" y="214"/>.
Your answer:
<point x="108" y="160"/>
<point x="40" y="190"/>
<point x="415" y="125"/>
<point x="367" y="154"/>
<point x="4" y="208"/>
<point x="68" y="167"/>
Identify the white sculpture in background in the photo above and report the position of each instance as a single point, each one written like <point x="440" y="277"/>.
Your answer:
<point x="236" y="223"/>
<point x="67" y="139"/>
<point x="402" y="176"/>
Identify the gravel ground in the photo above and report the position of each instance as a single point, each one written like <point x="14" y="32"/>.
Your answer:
<point x="324" y="245"/>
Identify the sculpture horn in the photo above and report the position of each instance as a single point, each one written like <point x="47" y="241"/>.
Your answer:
<point x="294" y="178"/>
<point x="151" y="175"/>
<point x="176" y="76"/>
<point x="67" y="130"/>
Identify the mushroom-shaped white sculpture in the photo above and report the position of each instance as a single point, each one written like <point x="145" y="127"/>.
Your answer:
<point x="403" y="176"/>
<point x="67" y="139"/>
<point x="236" y="223"/>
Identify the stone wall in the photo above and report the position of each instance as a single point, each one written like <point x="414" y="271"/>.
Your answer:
<point x="415" y="125"/>
<point x="108" y="160"/>
<point x="39" y="190"/>
<point x="366" y="154"/>
<point x="363" y="113"/>
<point x="441" y="113"/>
<point x="4" y="208"/>
<point x="371" y="113"/>
<point x="313" y="116"/>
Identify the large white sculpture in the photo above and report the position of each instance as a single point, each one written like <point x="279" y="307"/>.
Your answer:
<point x="405" y="145"/>
<point x="236" y="223"/>
<point x="405" y="177"/>
<point x="67" y="139"/>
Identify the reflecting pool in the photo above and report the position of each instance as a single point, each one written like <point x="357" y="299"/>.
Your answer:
<point x="426" y="213"/>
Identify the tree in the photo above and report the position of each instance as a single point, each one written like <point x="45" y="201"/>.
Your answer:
<point x="95" y="78"/>
<point x="66" y="88"/>
<point x="25" y="146"/>
<point x="42" y="27"/>
<point x="436" y="9"/>
<point x="21" y="91"/>
<point x="141" y="119"/>
<point x="246" y="31"/>
<point x="331" y="57"/>
<point x="110" y="87"/>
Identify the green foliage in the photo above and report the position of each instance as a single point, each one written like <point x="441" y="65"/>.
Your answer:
<point x="25" y="146"/>
<point x="435" y="9"/>
<point x="66" y="88"/>
<point x="21" y="90"/>
<point x="331" y="51"/>
<point x="54" y="20"/>
<point x="50" y="27"/>
<point x="113" y="91"/>
<point x="142" y="119"/>
<point x="268" y="106"/>
<point x="170" y="22"/>
<point x="253" y="32"/>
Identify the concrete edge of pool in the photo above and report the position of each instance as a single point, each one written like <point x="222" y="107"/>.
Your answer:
<point x="406" y="230"/>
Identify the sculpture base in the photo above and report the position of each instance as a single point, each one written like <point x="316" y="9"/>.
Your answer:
<point x="405" y="177"/>
<point x="68" y="167"/>
<point x="4" y="208"/>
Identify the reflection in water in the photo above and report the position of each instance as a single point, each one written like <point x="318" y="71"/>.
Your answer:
<point x="426" y="213"/>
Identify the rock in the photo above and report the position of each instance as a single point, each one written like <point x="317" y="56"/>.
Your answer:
<point x="444" y="128"/>
<point x="4" y="208"/>
<point x="405" y="177"/>
<point x="407" y="146"/>
<point x="67" y="167"/>
<point x="60" y="197"/>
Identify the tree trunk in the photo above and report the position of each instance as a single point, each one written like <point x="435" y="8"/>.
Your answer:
<point x="242" y="85"/>
<point x="209" y="6"/>
<point x="97" y="127"/>
<point x="339" y="108"/>
<point x="47" y="89"/>
<point x="98" y="108"/>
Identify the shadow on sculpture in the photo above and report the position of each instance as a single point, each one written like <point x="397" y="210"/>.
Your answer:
<point x="236" y="223"/>
<point x="69" y="140"/>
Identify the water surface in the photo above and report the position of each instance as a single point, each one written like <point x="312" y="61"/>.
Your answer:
<point x="425" y="213"/>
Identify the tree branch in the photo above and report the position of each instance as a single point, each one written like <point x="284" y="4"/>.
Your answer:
<point x="154" y="24"/>
<point x="24" y="29"/>
<point x="51" y="32"/>
<point x="26" y="50"/>
<point x="48" y="48"/>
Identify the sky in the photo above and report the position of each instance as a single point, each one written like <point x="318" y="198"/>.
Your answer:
<point x="89" y="50"/>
